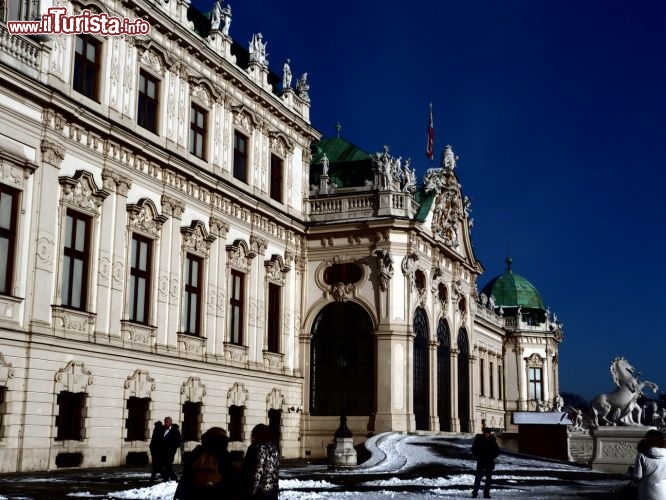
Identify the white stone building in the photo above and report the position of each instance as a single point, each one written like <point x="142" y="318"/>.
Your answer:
<point x="177" y="240"/>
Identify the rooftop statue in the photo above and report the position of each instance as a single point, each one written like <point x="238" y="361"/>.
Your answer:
<point x="220" y="19"/>
<point x="226" y="19"/>
<point x="619" y="406"/>
<point x="286" y="75"/>
<point x="303" y="87"/>
<point x="258" y="49"/>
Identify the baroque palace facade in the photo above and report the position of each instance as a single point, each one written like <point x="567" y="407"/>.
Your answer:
<point x="177" y="239"/>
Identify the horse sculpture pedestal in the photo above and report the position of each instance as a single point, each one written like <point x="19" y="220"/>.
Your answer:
<point x="615" y="447"/>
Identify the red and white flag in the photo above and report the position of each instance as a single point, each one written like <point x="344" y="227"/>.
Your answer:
<point x="430" y="151"/>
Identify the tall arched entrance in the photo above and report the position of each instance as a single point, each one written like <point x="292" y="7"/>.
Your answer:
<point x="342" y="351"/>
<point x="421" y="369"/>
<point x="463" y="380"/>
<point x="444" y="375"/>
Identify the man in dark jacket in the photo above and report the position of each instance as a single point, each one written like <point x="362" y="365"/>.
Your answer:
<point x="485" y="449"/>
<point x="170" y="443"/>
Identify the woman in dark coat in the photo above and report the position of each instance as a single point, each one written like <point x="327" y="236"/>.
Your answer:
<point x="261" y="466"/>
<point x="194" y="483"/>
<point x="156" y="450"/>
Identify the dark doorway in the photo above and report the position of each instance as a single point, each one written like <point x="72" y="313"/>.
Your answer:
<point x="444" y="375"/>
<point x="463" y="380"/>
<point x="342" y="327"/>
<point x="275" y="425"/>
<point x="421" y="370"/>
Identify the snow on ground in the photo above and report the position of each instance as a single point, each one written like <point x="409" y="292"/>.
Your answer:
<point x="396" y="456"/>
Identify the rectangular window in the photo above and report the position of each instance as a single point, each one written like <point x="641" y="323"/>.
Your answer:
<point x="191" y="414"/>
<point x="482" y="377"/>
<point x="192" y="295"/>
<point x="491" y="372"/>
<point x="274" y="310"/>
<point x="197" y="131"/>
<point x="3" y="408"/>
<point x="86" y="66"/>
<point x="240" y="156"/>
<point x="276" y="178"/>
<point x="139" y="290"/>
<point x="70" y="415"/>
<point x="137" y="418"/>
<point x="75" y="260"/>
<point x="536" y="384"/>
<point x="146" y="115"/>
<point x="236" y="299"/>
<point x="499" y="382"/>
<point x="236" y="414"/>
<point x="8" y="222"/>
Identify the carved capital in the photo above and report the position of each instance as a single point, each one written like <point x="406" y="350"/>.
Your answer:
<point x="218" y="227"/>
<point x="53" y="153"/>
<point x="113" y="180"/>
<point x="172" y="206"/>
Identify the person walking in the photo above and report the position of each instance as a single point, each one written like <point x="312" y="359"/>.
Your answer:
<point x="171" y="440"/>
<point x="486" y="450"/>
<point x="156" y="450"/>
<point x="261" y="466"/>
<point x="650" y="466"/>
<point x="208" y="472"/>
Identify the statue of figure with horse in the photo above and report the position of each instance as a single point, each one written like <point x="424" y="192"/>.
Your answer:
<point x="621" y="407"/>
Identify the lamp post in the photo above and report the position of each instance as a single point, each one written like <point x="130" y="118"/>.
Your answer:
<point x="344" y="454"/>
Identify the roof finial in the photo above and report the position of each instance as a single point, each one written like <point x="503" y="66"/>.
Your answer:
<point x="338" y="128"/>
<point x="508" y="261"/>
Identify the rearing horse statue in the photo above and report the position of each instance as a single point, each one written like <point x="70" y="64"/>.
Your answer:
<point x="618" y="407"/>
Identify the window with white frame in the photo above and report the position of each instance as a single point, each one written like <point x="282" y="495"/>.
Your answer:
<point x="192" y="294"/>
<point x="87" y="57"/>
<point x="140" y="278"/>
<point x="236" y="307"/>
<point x="240" y="156"/>
<point x="535" y="383"/>
<point x="277" y="167"/>
<point x="75" y="263"/>
<point x="148" y="103"/>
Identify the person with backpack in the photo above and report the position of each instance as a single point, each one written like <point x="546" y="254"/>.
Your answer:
<point x="208" y="472"/>
<point x="261" y="466"/>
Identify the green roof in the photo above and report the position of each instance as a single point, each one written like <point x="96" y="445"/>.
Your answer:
<point x="512" y="290"/>
<point x="349" y="166"/>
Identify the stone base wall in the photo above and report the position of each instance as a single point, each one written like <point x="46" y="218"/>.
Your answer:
<point x="615" y="447"/>
<point x="581" y="447"/>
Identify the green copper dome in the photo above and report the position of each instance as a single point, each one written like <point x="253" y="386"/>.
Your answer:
<point x="349" y="166"/>
<point x="512" y="290"/>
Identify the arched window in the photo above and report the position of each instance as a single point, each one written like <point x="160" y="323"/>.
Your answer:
<point x="463" y="380"/>
<point x="444" y="375"/>
<point x="421" y="369"/>
<point x="342" y="352"/>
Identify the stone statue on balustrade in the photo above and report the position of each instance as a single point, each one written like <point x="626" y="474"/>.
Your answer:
<point x="258" y="49"/>
<point x="286" y="75"/>
<point x="303" y="88"/>
<point x="621" y="407"/>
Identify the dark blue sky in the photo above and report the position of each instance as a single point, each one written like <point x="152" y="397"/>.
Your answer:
<point x="557" y="110"/>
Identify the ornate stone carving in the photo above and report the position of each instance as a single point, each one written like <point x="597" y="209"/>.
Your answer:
<point x="341" y="292"/>
<point x="138" y="334"/>
<point x="193" y="390"/>
<point x="196" y="239"/>
<point x="172" y="206"/>
<point x="144" y="218"/>
<point x="81" y="192"/>
<point x="237" y="395"/>
<point x="200" y="92"/>
<point x="409" y="266"/>
<point x="140" y="384"/>
<point x="239" y="255"/>
<point x="151" y="60"/>
<point x="74" y="377"/>
<point x="113" y="180"/>
<point x="6" y="370"/>
<point x="53" y="153"/>
<point x="275" y="270"/>
<point x="45" y="252"/>
<point x="258" y="245"/>
<point x="275" y="400"/>
<point x="385" y="265"/>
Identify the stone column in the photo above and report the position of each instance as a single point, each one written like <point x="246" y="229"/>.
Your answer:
<point x="520" y="379"/>
<point x="434" y="390"/>
<point x="44" y="203"/>
<point x="170" y="274"/>
<point x="453" y="366"/>
<point x="473" y="389"/>
<point x="215" y="325"/>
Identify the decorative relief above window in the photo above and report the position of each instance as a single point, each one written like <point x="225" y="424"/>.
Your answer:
<point x="74" y="377"/>
<point x="193" y="390"/>
<point x="237" y="395"/>
<point x="144" y="218"/>
<point x="196" y="239"/>
<point x="239" y="255"/>
<point x="81" y="192"/>
<point x="534" y="361"/>
<point x="276" y="270"/>
<point x="140" y="384"/>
